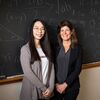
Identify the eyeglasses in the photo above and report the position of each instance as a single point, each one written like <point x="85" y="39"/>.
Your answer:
<point x="37" y="29"/>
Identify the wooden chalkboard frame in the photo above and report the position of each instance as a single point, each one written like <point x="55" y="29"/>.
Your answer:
<point x="18" y="78"/>
<point x="16" y="17"/>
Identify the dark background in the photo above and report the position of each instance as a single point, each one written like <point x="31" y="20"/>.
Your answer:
<point x="17" y="15"/>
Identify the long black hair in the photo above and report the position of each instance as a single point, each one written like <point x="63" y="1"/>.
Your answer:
<point x="44" y="42"/>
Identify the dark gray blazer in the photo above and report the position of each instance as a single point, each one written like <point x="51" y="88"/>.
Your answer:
<point x="74" y="68"/>
<point x="32" y="85"/>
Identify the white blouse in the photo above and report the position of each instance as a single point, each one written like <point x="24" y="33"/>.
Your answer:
<point x="45" y="64"/>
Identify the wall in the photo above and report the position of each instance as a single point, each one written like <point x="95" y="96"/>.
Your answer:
<point x="90" y="84"/>
<point x="90" y="87"/>
<point x="10" y="91"/>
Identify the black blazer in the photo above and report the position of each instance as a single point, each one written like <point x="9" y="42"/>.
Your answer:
<point x="74" y="68"/>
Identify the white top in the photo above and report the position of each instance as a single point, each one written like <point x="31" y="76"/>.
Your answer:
<point x="45" y="65"/>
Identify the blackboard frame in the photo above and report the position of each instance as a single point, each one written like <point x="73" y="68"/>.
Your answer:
<point x="16" y="17"/>
<point x="18" y="78"/>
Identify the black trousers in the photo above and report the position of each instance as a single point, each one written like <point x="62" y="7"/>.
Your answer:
<point x="69" y="95"/>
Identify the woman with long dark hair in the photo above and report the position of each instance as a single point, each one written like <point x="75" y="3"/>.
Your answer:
<point x="36" y="62"/>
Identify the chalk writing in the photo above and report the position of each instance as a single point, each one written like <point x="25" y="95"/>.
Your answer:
<point x="16" y="17"/>
<point x="9" y="57"/>
<point x="8" y="35"/>
<point x="63" y="7"/>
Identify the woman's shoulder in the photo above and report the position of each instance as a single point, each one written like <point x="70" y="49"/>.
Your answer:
<point x="25" y="47"/>
<point x="78" y="47"/>
<point x="57" y="49"/>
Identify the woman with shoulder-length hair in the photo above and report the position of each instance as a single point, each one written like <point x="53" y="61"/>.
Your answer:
<point x="36" y="62"/>
<point x="68" y="63"/>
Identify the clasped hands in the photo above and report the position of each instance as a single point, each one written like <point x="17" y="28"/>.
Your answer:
<point x="46" y="93"/>
<point x="61" y="87"/>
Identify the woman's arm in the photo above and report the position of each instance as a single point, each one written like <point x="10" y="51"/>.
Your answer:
<point x="25" y="63"/>
<point x="78" y="66"/>
<point x="50" y="88"/>
<point x="52" y="79"/>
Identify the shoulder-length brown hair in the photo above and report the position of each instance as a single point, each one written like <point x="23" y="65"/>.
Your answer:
<point x="74" y="40"/>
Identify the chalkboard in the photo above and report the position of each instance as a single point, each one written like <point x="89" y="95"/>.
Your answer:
<point x="17" y="15"/>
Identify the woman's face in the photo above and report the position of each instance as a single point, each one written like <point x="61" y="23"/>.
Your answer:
<point x="65" y="33"/>
<point x="38" y="30"/>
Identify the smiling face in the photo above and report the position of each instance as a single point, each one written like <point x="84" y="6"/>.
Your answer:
<point x="65" y="33"/>
<point x="38" y="30"/>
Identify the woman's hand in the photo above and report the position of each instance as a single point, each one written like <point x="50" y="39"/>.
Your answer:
<point x="46" y="93"/>
<point x="61" y="87"/>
